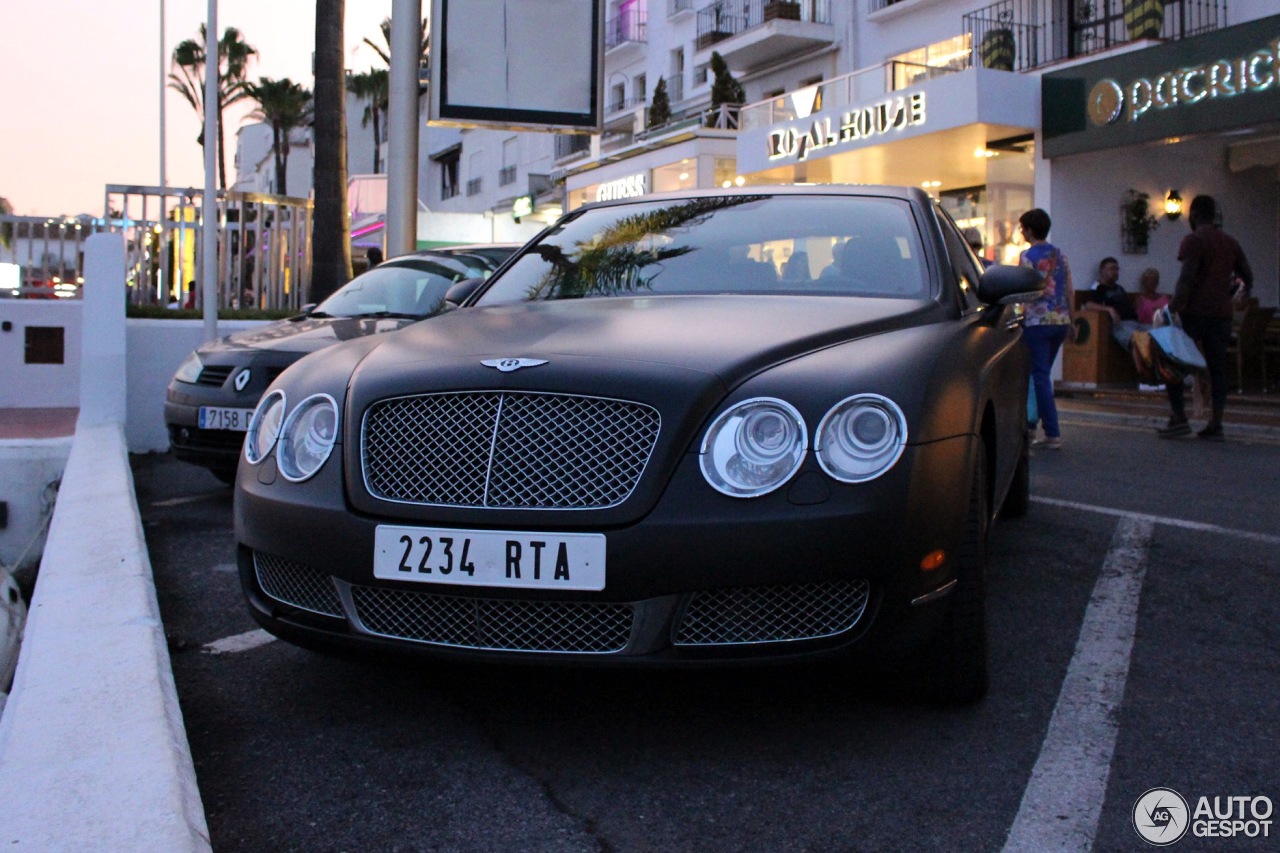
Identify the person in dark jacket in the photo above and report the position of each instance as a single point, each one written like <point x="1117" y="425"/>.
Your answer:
<point x="1212" y="260"/>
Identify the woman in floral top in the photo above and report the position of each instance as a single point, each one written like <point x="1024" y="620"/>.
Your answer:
<point x="1048" y="320"/>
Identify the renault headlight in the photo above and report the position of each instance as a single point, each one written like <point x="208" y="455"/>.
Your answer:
<point x="189" y="370"/>
<point x="754" y="447"/>
<point x="264" y="427"/>
<point x="861" y="438"/>
<point x="307" y="438"/>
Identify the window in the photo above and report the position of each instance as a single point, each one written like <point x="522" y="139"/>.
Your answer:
<point x="617" y="97"/>
<point x="510" y="153"/>
<point x="449" y="163"/>
<point x="639" y="89"/>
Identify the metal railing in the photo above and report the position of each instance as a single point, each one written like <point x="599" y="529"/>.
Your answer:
<point x="728" y="18"/>
<point x="630" y="26"/>
<point x="46" y="256"/>
<point x="474" y="186"/>
<point x="263" y="246"/>
<point x="506" y="175"/>
<point x="1018" y="35"/>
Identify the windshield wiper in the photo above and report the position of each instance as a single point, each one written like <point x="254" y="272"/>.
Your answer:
<point x="396" y="315"/>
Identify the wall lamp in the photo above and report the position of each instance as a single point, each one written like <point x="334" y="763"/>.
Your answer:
<point x="1173" y="205"/>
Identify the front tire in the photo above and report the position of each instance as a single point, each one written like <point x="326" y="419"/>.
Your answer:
<point x="956" y="658"/>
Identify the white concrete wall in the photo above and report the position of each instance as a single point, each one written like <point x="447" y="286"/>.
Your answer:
<point x="24" y="386"/>
<point x="28" y="470"/>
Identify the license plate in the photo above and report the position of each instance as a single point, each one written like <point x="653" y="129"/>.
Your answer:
<point x="215" y="417"/>
<point x="500" y="558"/>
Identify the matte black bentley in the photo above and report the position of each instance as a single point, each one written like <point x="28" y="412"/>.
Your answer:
<point x="213" y="392"/>
<point x="731" y="425"/>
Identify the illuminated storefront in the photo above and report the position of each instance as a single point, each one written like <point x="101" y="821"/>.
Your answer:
<point x="690" y="161"/>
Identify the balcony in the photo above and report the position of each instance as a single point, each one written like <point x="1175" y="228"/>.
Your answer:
<point x="571" y="146"/>
<point x="752" y="34"/>
<point x="626" y="33"/>
<point x="475" y="186"/>
<point x="1018" y="35"/>
<point x="625" y="116"/>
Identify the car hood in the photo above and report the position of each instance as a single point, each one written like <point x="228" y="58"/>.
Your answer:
<point x="309" y="334"/>
<point x="731" y="337"/>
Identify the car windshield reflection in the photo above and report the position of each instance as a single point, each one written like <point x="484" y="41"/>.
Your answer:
<point x="407" y="290"/>
<point x="741" y="244"/>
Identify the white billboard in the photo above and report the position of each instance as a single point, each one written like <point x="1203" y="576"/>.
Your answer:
<point x="518" y="64"/>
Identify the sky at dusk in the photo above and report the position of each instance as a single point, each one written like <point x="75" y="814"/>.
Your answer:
<point x="80" y="107"/>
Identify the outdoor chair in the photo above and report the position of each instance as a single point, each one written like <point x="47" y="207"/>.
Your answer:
<point x="1248" y="350"/>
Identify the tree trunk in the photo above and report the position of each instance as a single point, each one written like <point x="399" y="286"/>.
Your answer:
<point x="222" y="150"/>
<point x="330" y="230"/>
<point x="280" y="150"/>
<point x="377" y="142"/>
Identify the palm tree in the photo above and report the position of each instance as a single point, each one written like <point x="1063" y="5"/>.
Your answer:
<point x="373" y="86"/>
<point x="286" y="106"/>
<point x="424" y="49"/>
<point x="330" y="229"/>
<point x="188" y="79"/>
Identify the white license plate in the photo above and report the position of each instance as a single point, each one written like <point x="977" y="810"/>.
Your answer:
<point x="215" y="417"/>
<point x="489" y="557"/>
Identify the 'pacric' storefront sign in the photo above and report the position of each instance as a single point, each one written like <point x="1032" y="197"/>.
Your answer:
<point x="799" y="141"/>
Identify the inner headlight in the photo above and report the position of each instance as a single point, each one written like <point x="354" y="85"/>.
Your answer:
<point x="189" y="370"/>
<point x="860" y="438"/>
<point x="307" y="438"/>
<point x="264" y="427"/>
<point x="753" y="448"/>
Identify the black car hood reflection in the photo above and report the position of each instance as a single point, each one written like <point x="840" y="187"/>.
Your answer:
<point x="730" y="336"/>
<point x="309" y="334"/>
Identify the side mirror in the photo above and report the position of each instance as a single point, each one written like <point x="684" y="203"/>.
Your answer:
<point x="309" y="307"/>
<point x="461" y="291"/>
<point x="1006" y="285"/>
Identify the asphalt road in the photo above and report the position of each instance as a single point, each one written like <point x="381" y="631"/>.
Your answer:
<point x="1134" y="645"/>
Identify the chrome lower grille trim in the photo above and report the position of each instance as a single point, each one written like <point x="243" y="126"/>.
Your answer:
<point x="566" y="627"/>
<point x="297" y="585"/>
<point x="771" y="614"/>
<point x="506" y="450"/>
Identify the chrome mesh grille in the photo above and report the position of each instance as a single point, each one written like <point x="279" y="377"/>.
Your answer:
<point x="296" y="585"/>
<point x="770" y="614"/>
<point x="506" y="450"/>
<point x="500" y="625"/>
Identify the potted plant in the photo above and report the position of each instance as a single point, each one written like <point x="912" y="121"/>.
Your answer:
<point x="786" y="10"/>
<point x="660" y="109"/>
<point x="1143" y="19"/>
<point x="1136" y="222"/>
<point x="997" y="49"/>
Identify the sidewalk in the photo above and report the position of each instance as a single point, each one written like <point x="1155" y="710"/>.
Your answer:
<point x="1250" y="414"/>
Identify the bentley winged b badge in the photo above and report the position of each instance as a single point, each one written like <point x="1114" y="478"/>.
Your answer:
<point x="506" y="365"/>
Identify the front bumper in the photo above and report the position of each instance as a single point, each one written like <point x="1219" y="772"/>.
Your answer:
<point x="815" y="569"/>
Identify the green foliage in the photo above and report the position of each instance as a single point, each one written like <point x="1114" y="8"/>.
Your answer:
<point x="188" y="78"/>
<point x="724" y="88"/>
<point x="285" y="106"/>
<point x="660" y="108"/>
<point x="373" y="86"/>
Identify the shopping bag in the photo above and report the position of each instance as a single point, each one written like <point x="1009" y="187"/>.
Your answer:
<point x="1177" y="347"/>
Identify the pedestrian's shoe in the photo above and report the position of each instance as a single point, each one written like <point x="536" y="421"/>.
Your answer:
<point x="1047" y="443"/>
<point x="1176" y="428"/>
<point x="1212" y="432"/>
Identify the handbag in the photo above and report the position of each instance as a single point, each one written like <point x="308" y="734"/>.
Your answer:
<point x="1178" y="347"/>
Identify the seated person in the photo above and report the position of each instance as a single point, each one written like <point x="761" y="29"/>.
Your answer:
<point x="836" y="268"/>
<point x="1148" y="300"/>
<point x="797" y="267"/>
<point x="750" y="272"/>
<point x="1107" y="295"/>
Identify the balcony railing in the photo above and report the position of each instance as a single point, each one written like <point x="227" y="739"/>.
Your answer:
<point x="572" y="145"/>
<point x="506" y="175"/>
<point x="728" y="18"/>
<point x="631" y="26"/>
<point x="474" y="186"/>
<point x="1017" y="35"/>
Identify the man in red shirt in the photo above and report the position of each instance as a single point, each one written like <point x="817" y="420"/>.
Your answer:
<point x="1212" y="260"/>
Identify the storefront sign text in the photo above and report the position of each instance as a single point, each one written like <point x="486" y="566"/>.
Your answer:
<point x="1224" y="78"/>
<point x="866" y="123"/>
<point x="628" y="187"/>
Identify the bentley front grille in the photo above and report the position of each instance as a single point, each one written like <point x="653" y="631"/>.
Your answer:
<point x="296" y="585"/>
<point x="771" y="614"/>
<point x="506" y="450"/>
<point x="493" y="624"/>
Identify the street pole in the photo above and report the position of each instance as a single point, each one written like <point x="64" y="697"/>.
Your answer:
<point x="165" y="285"/>
<point x="402" y="128"/>
<point x="209" y="205"/>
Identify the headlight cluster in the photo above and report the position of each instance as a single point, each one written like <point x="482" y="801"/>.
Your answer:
<point x="189" y="370"/>
<point x="757" y="445"/>
<point x="303" y="440"/>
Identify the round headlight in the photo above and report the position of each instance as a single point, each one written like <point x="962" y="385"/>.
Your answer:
<point x="753" y="448"/>
<point x="308" y="437"/>
<point x="860" y="438"/>
<point x="264" y="427"/>
<point x="189" y="370"/>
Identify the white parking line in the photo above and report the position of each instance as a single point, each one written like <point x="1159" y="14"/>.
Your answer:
<point x="1063" y="801"/>
<point x="239" y="643"/>
<point x="1198" y="526"/>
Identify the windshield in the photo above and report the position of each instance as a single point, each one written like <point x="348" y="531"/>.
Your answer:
<point x="412" y="288"/>
<point x="829" y="245"/>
